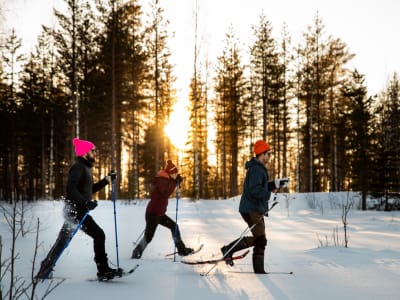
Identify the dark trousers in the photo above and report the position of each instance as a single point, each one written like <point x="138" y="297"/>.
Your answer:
<point x="89" y="226"/>
<point x="152" y="221"/>
<point x="259" y="238"/>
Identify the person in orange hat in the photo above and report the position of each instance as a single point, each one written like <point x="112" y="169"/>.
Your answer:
<point x="254" y="206"/>
<point x="80" y="187"/>
<point x="163" y="185"/>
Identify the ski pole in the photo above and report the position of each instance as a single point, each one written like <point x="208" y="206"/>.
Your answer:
<point x="176" y="217"/>
<point x="66" y="244"/>
<point x="137" y="240"/>
<point x="243" y="235"/>
<point x="234" y="245"/>
<point x="115" y="218"/>
<point x="249" y="229"/>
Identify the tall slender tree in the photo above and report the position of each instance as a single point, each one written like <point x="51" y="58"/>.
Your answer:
<point x="321" y="74"/>
<point x="230" y="87"/>
<point x="12" y="58"/>
<point x="160" y="90"/>
<point x="269" y="91"/>
<point x="356" y="117"/>
<point x="386" y="152"/>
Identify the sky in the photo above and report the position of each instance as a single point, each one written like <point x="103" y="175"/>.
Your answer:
<point x="300" y="239"/>
<point x="368" y="27"/>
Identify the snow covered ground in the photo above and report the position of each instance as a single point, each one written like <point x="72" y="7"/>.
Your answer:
<point x="300" y="239"/>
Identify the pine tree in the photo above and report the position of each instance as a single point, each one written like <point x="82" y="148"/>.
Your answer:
<point x="386" y="152"/>
<point x="160" y="79"/>
<point x="121" y="104"/>
<point x="230" y="87"/>
<point x="320" y="77"/>
<point x="356" y="118"/>
<point x="270" y="92"/>
<point x="197" y="139"/>
<point x="263" y="66"/>
<point x="11" y="59"/>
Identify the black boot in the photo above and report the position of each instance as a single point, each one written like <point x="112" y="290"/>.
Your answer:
<point x="104" y="272"/>
<point x="182" y="250"/>
<point x="47" y="265"/>
<point x="228" y="250"/>
<point x="258" y="264"/>
<point x="45" y="271"/>
<point x="138" y="251"/>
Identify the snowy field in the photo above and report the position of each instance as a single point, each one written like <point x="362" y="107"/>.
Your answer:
<point x="305" y="235"/>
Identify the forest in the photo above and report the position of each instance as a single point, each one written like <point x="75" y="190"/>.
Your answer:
<point x="103" y="73"/>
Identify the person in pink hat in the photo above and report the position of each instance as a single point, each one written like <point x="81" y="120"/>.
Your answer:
<point x="80" y="188"/>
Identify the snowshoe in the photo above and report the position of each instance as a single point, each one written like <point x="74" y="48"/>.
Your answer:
<point x="109" y="274"/>
<point x="186" y="252"/>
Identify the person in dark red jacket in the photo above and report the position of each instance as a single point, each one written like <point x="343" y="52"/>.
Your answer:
<point x="163" y="185"/>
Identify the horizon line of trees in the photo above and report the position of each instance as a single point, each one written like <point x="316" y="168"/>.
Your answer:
<point x="104" y="74"/>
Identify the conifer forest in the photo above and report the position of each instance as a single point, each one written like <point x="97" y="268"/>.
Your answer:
<point x="103" y="73"/>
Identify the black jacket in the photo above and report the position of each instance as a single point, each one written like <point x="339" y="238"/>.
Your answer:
<point x="80" y="185"/>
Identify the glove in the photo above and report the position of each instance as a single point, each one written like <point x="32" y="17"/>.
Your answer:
<point x="111" y="176"/>
<point x="178" y="179"/>
<point x="90" y="205"/>
<point x="282" y="182"/>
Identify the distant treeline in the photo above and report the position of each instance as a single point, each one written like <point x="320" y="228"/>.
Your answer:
<point x="103" y="73"/>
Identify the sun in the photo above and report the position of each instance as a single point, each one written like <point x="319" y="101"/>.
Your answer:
<point x="178" y="127"/>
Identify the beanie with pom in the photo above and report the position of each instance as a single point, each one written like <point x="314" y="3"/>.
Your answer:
<point x="171" y="168"/>
<point x="82" y="147"/>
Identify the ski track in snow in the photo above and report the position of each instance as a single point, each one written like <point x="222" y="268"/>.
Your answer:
<point x="368" y="269"/>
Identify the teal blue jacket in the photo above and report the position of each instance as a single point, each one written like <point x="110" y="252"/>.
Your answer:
<point x="256" y="189"/>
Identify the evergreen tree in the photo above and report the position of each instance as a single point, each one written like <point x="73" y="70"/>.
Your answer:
<point x="321" y="76"/>
<point x="230" y="86"/>
<point x="263" y="66"/>
<point x="286" y="94"/>
<point x="159" y="88"/>
<point x="12" y="148"/>
<point x="386" y="151"/>
<point x="270" y="92"/>
<point x="197" y="139"/>
<point x="356" y="116"/>
<point x="123" y="99"/>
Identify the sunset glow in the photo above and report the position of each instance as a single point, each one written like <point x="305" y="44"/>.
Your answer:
<point x="178" y="127"/>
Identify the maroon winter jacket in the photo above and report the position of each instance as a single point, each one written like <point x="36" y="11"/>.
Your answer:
<point x="162" y="188"/>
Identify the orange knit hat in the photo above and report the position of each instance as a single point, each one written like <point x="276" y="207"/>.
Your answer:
<point x="260" y="147"/>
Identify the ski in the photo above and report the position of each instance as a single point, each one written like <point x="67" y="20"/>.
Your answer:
<point x="120" y="273"/>
<point x="216" y="260"/>
<point x="267" y="273"/>
<point x="194" y="251"/>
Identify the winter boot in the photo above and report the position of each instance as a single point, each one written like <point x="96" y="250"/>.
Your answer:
<point x="182" y="250"/>
<point x="138" y="251"/>
<point x="258" y="264"/>
<point x="104" y="272"/>
<point x="227" y="252"/>
<point x="47" y="265"/>
<point x="45" y="271"/>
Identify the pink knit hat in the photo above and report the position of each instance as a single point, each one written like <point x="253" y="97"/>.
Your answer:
<point x="82" y="147"/>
